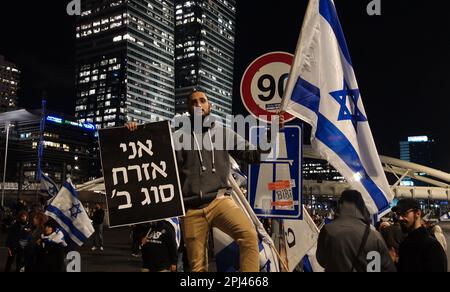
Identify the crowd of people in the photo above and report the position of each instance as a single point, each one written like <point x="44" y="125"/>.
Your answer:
<point x="403" y="240"/>
<point x="34" y="243"/>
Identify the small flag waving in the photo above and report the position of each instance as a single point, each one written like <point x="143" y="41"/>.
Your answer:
<point x="175" y="222"/>
<point x="322" y="90"/>
<point x="48" y="186"/>
<point x="70" y="214"/>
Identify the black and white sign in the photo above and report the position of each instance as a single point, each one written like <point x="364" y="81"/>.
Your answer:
<point x="141" y="174"/>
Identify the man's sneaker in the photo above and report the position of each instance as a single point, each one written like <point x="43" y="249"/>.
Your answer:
<point x="101" y="248"/>
<point x="135" y="255"/>
<point x="94" y="248"/>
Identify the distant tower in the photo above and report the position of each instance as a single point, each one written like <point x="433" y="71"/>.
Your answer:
<point x="125" y="62"/>
<point x="9" y="85"/>
<point x="417" y="149"/>
<point x="205" y="37"/>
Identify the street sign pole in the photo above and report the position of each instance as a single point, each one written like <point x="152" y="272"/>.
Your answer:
<point x="7" y="126"/>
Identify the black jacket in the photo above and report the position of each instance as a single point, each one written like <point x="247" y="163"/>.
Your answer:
<point x="98" y="217"/>
<point x="340" y="241"/>
<point x="19" y="236"/>
<point x="49" y="258"/>
<point x="161" y="252"/>
<point x="420" y="252"/>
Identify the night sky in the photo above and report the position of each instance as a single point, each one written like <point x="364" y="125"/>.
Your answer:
<point x="401" y="58"/>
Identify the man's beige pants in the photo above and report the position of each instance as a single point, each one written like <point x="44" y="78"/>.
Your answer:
<point x="225" y="215"/>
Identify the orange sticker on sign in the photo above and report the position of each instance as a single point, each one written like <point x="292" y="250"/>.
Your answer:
<point x="280" y="185"/>
<point x="283" y="204"/>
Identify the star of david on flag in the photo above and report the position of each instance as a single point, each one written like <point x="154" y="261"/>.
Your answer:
<point x="75" y="210"/>
<point x="351" y="113"/>
<point x="67" y="210"/>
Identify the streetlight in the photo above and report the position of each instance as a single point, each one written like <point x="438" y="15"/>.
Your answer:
<point x="7" y="127"/>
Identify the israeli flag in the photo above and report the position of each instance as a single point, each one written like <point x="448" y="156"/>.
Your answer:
<point x="310" y="263"/>
<point x="322" y="90"/>
<point x="226" y="250"/>
<point x="175" y="222"/>
<point x="70" y="214"/>
<point x="227" y="254"/>
<point x="48" y="186"/>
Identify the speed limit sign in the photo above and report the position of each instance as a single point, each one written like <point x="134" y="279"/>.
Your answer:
<point x="263" y="84"/>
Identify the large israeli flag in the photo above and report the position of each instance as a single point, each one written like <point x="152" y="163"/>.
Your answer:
<point x="70" y="214"/>
<point x="322" y="90"/>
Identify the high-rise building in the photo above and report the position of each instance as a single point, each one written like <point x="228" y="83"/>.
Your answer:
<point x="319" y="170"/>
<point x="9" y="84"/>
<point x="125" y="62"/>
<point x="417" y="149"/>
<point x="205" y="36"/>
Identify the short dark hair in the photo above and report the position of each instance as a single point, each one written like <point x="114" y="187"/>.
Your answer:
<point x="21" y="213"/>
<point x="194" y="90"/>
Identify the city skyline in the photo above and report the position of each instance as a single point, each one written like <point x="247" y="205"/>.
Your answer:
<point x="402" y="82"/>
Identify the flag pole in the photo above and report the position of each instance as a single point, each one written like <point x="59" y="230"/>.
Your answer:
<point x="7" y="127"/>
<point x="41" y="144"/>
<point x="260" y="229"/>
<point x="291" y="81"/>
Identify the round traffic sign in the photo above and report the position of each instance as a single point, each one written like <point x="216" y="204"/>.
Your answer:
<point x="263" y="84"/>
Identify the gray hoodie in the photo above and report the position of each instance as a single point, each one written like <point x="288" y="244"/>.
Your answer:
<point x="339" y="242"/>
<point x="203" y="179"/>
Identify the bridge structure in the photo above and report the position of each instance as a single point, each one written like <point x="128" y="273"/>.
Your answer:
<point x="438" y="181"/>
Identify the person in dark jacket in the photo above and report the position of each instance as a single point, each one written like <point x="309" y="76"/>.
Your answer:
<point x="419" y="252"/>
<point x="343" y="245"/>
<point x="19" y="237"/>
<point x="38" y="226"/>
<point x="98" y="220"/>
<point x="50" y="250"/>
<point x="159" y="248"/>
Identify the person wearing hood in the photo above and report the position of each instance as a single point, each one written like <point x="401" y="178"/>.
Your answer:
<point x="204" y="172"/>
<point x="345" y="244"/>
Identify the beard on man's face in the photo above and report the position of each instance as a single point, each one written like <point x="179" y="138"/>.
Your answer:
<point x="406" y="226"/>
<point x="198" y="111"/>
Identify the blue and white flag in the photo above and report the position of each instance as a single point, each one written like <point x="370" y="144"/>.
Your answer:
<point x="322" y="90"/>
<point x="226" y="250"/>
<point x="70" y="214"/>
<point x="300" y="238"/>
<point x="48" y="186"/>
<point x="175" y="222"/>
<point x="310" y="262"/>
<point x="227" y="254"/>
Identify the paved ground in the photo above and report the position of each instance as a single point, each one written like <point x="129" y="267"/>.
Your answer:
<point x="115" y="258"/>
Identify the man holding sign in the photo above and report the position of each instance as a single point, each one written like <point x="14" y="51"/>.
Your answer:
<point x="204" y="170"/>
